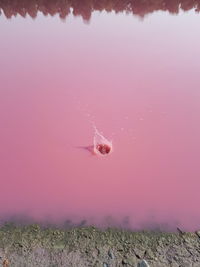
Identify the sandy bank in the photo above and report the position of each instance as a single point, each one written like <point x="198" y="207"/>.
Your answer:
<point x="88" y="246"/>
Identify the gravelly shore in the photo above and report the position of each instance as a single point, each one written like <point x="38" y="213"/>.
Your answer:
<point x="33" y="245"/>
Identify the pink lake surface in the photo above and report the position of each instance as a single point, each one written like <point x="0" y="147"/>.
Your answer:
<point x="138" y="81"/>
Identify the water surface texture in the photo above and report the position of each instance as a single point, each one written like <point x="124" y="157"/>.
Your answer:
<point x="133" y="72"/>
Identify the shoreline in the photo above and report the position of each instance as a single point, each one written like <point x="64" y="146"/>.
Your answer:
<point x="33" y="245"/>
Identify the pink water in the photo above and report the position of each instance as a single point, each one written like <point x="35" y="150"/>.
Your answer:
<point x="138" y="81"/>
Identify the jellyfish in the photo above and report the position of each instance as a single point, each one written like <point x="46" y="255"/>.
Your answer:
<point x="102" y="146"/>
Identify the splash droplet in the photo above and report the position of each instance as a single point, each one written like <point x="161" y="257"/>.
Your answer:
<point x="102" y="146"/>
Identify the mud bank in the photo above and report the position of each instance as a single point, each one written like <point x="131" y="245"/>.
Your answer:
<point x="88" y="246"/>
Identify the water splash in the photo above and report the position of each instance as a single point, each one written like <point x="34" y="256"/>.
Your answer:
<point x="102" y="146"/>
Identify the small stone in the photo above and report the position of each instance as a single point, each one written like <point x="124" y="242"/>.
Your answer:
<point x="143" y="263"/>
<point x="105" y="264"/>
<point x="110" y="254"/>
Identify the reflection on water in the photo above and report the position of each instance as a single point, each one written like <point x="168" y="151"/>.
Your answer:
<point x="136" y="80"/>
<point x="85" y="8"/>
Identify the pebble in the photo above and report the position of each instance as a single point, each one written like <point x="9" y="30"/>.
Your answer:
<point x="110" y="254"/>
<point x="143" y="263"/>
